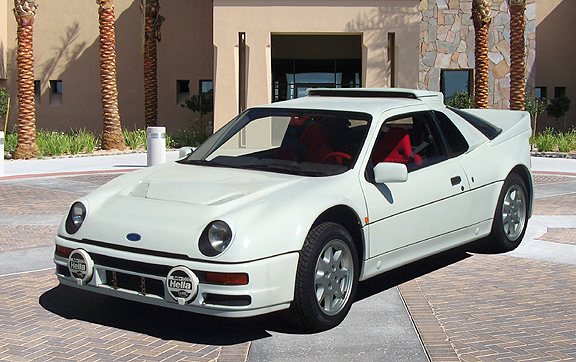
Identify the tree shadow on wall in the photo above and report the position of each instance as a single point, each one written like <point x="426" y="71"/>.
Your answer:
<point x="68" y="51"/>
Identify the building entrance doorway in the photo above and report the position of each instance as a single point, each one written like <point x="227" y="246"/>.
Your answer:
<point x="300" y="62"/>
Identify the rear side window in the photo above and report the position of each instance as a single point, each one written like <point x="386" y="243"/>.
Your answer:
<point x="454" y="138"/>
<point x="488" y="129"/>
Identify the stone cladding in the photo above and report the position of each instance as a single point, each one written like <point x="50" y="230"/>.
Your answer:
<point x="447" y="42"/>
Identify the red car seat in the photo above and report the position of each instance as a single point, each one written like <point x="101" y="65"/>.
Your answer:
<point x="315" y="141"/>
<point x="394" y="146"/>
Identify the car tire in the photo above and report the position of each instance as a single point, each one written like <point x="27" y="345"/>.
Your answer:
<point x="511" y="216"/>
<point x="326" y="279"/>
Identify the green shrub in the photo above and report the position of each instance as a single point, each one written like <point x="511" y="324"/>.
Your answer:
<point x="549" y="140"/>
<point x="567" y="141"/>
<point x="3" y="104"/>
<point x="170" y="142"/>
<point x="187" y="137"/>
<point x="83" y="141"/>
<point x="460" y="100"/>
<point x="545" y="141"/>
<point x="52" y="143"/>
<point x="135" y="139"/>
<point x="10" y="141"/>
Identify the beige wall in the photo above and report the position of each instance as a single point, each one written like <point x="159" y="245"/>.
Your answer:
<point x="261" y="18"/>
<point x="555" y="54"/>
<point x="3" y="38"/>
<point x="66" y="48"/>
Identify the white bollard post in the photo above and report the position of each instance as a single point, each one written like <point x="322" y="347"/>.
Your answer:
<point x="1" y="153"/>
<point x="156" y="145"/>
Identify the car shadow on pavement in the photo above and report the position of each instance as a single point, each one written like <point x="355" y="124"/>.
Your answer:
<point x="170" y="324"/>
<point x="410" y="271"/>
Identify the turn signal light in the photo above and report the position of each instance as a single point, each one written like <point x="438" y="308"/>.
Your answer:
<point x="227" y="278"/>
<point x="63" y="251"/>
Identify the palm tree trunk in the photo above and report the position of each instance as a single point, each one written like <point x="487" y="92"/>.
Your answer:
<point x="25" y="12"/>
<point x="517" y="56"/>
<point x="152" y="23"/>
<point x="482" y="20"/>
<point x="112" y="136"/>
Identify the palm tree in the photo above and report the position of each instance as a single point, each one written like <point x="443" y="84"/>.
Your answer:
<point x="482" y="20"/>
<point x="152" y="23"/>
<point x="517" y="62"/>
<point x="112" y="136"/>
<point x="25" y="12"/>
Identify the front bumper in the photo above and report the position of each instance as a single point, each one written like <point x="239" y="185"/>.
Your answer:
<point x="143" y="278"/>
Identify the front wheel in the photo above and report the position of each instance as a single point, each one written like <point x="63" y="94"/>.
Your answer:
<point x="326" y="279"/>
<point x="511" y="217"/>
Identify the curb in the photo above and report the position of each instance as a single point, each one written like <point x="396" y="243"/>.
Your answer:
<point x="554" y="155"/>
<point x="70" y="173"/>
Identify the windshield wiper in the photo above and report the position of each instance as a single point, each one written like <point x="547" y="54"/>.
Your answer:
<point x="287" y="169"/>
<point x="200" y="163"/>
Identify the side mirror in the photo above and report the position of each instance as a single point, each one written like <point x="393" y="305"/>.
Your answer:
<point x="185" y="152"/>
<point x="385" y="172"/>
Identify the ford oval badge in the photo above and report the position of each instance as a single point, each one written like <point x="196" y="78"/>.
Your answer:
<point x="133" y="237"/>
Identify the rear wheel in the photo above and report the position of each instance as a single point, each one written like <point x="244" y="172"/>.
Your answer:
<point x="326" y="279"/>
<point x="511" y="217"/>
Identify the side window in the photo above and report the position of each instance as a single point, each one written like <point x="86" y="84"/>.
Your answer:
<point x="411" y="139"/>
<point x="456" y="142"/>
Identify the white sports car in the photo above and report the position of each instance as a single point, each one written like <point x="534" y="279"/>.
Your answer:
<point x="291" y="204"/>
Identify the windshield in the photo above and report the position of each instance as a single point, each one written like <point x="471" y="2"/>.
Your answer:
<point x="302" y="142"/>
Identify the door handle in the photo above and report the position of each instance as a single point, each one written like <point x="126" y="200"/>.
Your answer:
<point x="455" y="180"/>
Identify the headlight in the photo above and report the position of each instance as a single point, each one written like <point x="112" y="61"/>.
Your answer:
<point x="75" y="217"/>
<point x="215" y="238"/>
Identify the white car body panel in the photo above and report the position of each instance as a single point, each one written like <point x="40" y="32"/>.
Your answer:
<point x="270" y="214"/>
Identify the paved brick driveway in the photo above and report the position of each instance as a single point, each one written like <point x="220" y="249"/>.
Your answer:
<point x="501" y="308"/>
<point x="481" y="308"/>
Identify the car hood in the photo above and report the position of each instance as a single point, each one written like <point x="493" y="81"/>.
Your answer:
<point x="207" y="186"/>
<point x="170" y="206"/>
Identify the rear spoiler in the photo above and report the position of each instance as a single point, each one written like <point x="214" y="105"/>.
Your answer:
<point x="511" y="123"/>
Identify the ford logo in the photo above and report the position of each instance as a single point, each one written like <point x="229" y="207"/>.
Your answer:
<point x="133" y="237"/>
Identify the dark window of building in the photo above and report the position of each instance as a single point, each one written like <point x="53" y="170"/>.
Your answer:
<point x="559" y="92"/>
<point x="205" y="86"/>
<point x="292" y="77"/>
<point x="455" y="81"/>
<point x="301" y="62"/>
<point x="37" y="92"/>
<point x="56" y="86"/>
<point x="56" y="92"/>
<point x="182" y="90"/>
<point x="541" y="92"/>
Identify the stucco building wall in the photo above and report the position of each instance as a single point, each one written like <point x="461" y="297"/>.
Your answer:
<point x="200" y="41"/>
<point x="66" y="49"/>
<point x="259" y="19"/>
<point x="555" y="54"/>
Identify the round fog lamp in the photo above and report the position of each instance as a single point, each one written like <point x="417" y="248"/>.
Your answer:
<point x="182" y="284"/>
<point x="81" y="266"/>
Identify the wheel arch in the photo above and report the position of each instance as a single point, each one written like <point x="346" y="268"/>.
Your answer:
<point x="526" y="176"/>
<point x="348" y="218"/>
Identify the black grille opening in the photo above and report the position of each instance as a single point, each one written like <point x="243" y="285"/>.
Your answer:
<point x="135" y="283"/>
<point x="62" y="270"/>
<point x="227" y="300"/>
